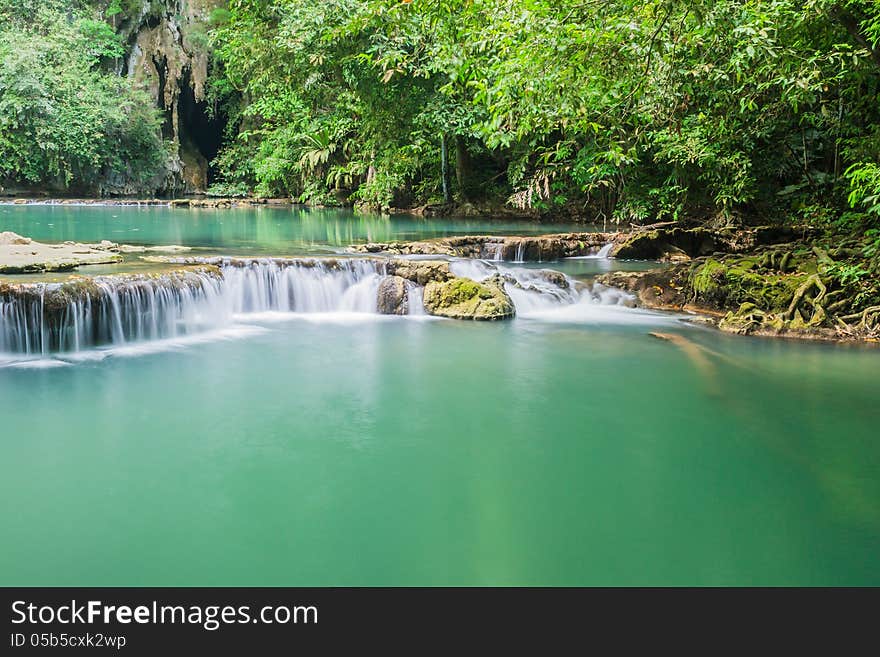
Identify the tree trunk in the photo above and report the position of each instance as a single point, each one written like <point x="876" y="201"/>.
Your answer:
<point x="444" y="169"/>
<point x="462" y="168"/>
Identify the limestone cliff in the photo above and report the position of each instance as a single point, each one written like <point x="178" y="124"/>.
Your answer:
<point x="167" y="53"/>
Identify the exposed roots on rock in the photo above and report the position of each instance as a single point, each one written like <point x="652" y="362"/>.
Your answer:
<point x="819" y="315"/>
<point x="868" y="325"/>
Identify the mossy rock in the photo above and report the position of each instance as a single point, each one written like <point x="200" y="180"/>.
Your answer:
<point x="462" y="298"/>
<point x="674" y="243"/>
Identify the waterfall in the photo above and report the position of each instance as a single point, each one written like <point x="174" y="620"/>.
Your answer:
<point x="605" y="250"/>
<point x="550" y="295"/>
<point x="602" y="254"/>
<point x="45" y="318"/>
<point x="520" y="252"/>
<point x="62" y="317"/>
<point x="215" y="293"/>
<point x="415" y="299"/>
<point x="303" y="286"/>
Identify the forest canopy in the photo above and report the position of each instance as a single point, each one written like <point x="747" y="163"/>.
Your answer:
<point x="631" y="111"/>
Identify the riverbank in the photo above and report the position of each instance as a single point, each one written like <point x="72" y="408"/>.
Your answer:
<point x="465" y="210"/>
<point x="804" y="284"/>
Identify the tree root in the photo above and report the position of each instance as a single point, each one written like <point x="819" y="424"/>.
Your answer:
<point x="800" y="296"/>
<point x="868" y="325"/>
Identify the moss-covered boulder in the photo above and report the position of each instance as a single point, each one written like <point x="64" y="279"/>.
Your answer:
<point x="462" y="298"/>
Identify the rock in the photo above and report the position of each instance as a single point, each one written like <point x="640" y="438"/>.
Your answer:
<point x="555" y="277"/>
<point x="10" y="238"/>
<point x="173" y="248"/>
<point x="655" y="288"/>
<point x="529" y="249"/>
<point x="462" y="298"/>
<point x="392" y="297"/>
<point x="21" y="255"/>
<point x="420" y="272"/>
<point x="668" y="243"/>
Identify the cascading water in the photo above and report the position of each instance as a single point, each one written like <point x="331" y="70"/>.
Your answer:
<point x="40" y="319"/>
<point x="303" y="287"/>
<point x="605" y="251"/>
<point x="552" y="296"/>
<point x="602" y="254"/>
<point x="415" y="295"/>
<point x="44" y="318"/>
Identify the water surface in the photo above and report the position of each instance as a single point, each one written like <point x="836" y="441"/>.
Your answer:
<point x="565" y="447"/>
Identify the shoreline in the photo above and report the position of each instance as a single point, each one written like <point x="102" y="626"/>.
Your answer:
<point x="455" y="211"/>
<point x="195" y="202"/>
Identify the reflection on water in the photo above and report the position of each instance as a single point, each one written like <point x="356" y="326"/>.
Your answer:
<point x="255" y="231"/>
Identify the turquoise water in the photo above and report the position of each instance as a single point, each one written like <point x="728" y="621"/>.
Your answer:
<point x="252" y="231"/>
<point x="572" y="448"/>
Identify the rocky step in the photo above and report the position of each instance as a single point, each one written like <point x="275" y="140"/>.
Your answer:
<point x="493" y="247"/>
<point x="668" y="243"/>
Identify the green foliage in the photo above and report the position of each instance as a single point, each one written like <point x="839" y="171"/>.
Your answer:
<point x="637" y="110"/>
<point x="64" y="121"/>
<point x="228" y="190"/>
<point x="864" y="180"/>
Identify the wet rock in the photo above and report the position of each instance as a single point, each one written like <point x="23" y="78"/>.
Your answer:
<point x="528" y="249"/>
<point x="656" y="288"/>
<point x="420" y="272"/>
<point x="462" y="298"/>
<point x="172" y="248"/>
<point x="438" y="247"/>
<point x="668" y="243"/>
<point x="555" y="277"/>
<point x="392" y="296"/>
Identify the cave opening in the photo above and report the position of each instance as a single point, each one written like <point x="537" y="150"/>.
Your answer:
<point x="200" y="129"/>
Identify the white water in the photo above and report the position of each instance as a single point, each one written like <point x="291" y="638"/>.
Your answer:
<point x="124" y="311"/>
<point x="601" y="254"/>
<point x="350" y="286"/>
<point x="128" y="313"/>
<point x="537" y="296"/>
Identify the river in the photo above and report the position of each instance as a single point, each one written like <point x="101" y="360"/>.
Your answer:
<point x="334" y="446"/>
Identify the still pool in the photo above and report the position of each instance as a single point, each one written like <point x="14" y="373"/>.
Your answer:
<point x="558" y="449"/>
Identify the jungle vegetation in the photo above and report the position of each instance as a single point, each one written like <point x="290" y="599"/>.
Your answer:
<point x="66" y="117"/>
<point x="628" y="111"/>
<point x="610" y="110"/>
